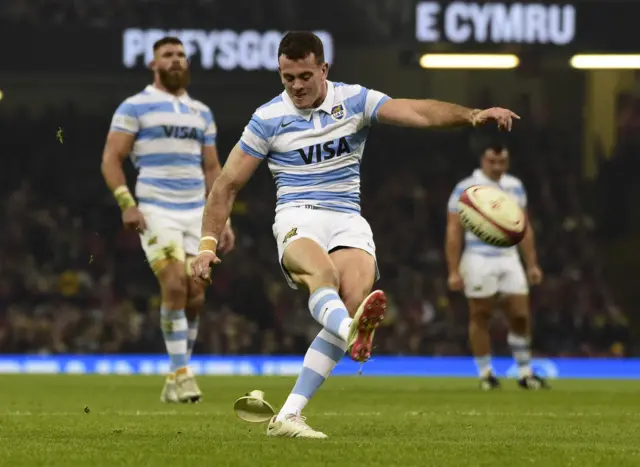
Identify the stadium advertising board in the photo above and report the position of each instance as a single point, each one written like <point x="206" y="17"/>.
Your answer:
<point x="528" y="23"/>
<point x="601" y="25"/>
<point x="225" y="50"/>
<point x="234" y="46"/>
<point x="553" y="368"/>
<point x="114" y="50"/>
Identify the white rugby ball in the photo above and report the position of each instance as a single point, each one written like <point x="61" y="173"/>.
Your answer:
<point x="492" y="215"/>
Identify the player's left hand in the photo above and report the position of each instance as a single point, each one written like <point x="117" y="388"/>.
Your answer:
<point x="201" y="266"/>
<point x="504" y="117"/>
<point x="534" y="274"/>
<point x="227" y="239"/>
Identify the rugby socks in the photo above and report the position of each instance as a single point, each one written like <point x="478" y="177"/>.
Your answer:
<point x="328" y="309"/>
<point x="325" y="351"/>
<point x="483" y="364"/>
<point x="192" y="335"/>
<point x="174" y="328"/>
<point x="521" y="349"/>
<point x="323" y="355"/>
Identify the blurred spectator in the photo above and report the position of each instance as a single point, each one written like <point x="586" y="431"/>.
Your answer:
<point x="71" y="280"/>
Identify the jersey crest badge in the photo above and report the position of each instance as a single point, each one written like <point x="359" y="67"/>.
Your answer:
<point x="338" y="112"/>
<point x="292" y="233"/>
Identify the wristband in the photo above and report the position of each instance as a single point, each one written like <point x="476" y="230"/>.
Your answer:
<point x="208" y="244"/>
<point x="472" y="116"/>
<point x="124" y="198"/>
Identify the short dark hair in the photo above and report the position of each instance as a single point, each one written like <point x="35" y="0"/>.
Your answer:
<point x="496" y="146"/>
<point x="298" y="45"/>
<point x="166" y="40"/>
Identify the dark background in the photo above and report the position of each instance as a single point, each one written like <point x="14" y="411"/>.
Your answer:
<point x="72" y="281"/>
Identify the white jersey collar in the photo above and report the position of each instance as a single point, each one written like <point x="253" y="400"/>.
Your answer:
<point x="326" y="105"/>
<point x="478" y="174"/>
<point x="154" y="90"/>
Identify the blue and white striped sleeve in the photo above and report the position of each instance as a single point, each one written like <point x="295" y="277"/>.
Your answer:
<point x="255" y="138"/>
<point x="373" y="101"/>
<point x="452" y="205"/>
<point x="211" y="129"/>
<point x="125" y="119"/>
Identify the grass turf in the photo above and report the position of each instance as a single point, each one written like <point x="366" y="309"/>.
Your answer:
<point x="370" y="421"/>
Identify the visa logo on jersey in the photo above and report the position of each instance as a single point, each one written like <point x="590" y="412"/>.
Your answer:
<point x="325" y="151"/>
<point x="181" y="132"/>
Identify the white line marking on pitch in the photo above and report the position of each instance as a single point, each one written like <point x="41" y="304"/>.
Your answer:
<point x="168" y="413"/>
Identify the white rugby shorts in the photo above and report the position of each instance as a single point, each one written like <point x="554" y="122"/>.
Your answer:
<point x="484" y="276"/>
<point x="170" y="234"/>
<point x="329" y="229"/>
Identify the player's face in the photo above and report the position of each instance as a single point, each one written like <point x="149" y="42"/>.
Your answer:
<point x="304" y="80"/>
<point x="171" y="67"/>
<point x="495" y="164"/>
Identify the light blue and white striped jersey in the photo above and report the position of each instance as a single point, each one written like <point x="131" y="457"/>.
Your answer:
<point x="314" y="155"/>
<point x="170" y="134"/>
<point x="508" y="183"/>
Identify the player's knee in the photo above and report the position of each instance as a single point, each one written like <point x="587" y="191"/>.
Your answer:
<point x="326" y="276"/>
<point x="479" y="320"/>
<point x="173" y="284"/>
<point x="519" y="324"/>
<point x="330" y="276"/>
<point x="175" y="290"/>
<point x="517" y="310"/>
<point x="480" y="313"/>
<point x="195" y="303"/>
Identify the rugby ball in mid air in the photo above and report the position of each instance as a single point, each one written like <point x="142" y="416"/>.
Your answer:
<point x="492" y="215"/>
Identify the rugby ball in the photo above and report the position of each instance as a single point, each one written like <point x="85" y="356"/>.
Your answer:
<point x="492" y="215"/>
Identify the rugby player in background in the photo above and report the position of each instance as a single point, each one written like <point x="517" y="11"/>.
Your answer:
<point x="484" y="272"/>
<point x="171" y="139"/>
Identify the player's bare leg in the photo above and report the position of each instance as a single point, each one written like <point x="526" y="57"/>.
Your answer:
<point x="480" y="311"/>
<point x="195" y="304"/>
<point x="350" y="274"/>
<point x="517" y="310"/>
<point x="309" y="266"/>
<point x="357" y="270"/>
<point x="173" y="288"/>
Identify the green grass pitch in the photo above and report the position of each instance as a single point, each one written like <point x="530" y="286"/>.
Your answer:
<point x="370" y="421"/>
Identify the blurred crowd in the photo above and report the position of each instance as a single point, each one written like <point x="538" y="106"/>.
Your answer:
<point x="618" y="191"/>
<point x="72" y="280"/>
<point x="383" y="18"/>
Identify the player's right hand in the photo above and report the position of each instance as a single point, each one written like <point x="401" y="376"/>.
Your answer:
<point x="133" y="219"/>
<point x="201" y="266"/>
<point x="455" y="282"/>
<point x="504" y="117"/>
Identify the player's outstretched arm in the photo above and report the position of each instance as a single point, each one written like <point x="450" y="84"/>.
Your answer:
<point x="428" y="113"/>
